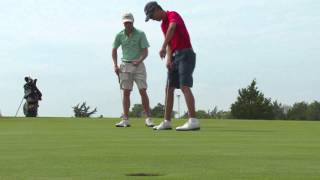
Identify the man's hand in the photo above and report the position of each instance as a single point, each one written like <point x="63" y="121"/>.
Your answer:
<point x="136" y="63"/>
<point x="163" y="52"/>
<point x="117" y="70"/>
<point x="169" y="65"/>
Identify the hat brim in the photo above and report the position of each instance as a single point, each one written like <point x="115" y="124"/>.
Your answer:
<point x="127" y="20"/>
<point x="147" y="18"/>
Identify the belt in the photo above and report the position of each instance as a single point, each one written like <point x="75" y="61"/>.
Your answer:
<point x="179" y="51"/>
<point x="127" y="61"/>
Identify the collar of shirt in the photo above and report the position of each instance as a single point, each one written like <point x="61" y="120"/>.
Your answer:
<point x="133" y="31"/>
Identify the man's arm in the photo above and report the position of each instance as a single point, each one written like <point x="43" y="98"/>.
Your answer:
<point x="169" y="57"/>
<point x="168" y="37"/>
<point x="115" y="60"/>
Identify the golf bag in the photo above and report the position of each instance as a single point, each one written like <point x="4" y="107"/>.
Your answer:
<point x="32" y="95"/>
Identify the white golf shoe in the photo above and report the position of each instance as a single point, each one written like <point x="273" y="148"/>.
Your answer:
<point x="192" y="124"/>
<point x="164" y="125"/>
<point x="148" y="122"/>
<point x="123" y="123"/>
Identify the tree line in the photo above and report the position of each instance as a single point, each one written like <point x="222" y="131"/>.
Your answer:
<point x="250" y="104"/>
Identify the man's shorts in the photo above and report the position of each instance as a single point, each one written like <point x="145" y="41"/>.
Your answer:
<point x="184" y="62"/>
<point x="130" y="73"/>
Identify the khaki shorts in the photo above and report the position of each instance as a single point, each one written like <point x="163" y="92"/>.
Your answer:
<point x="130" y="73"/>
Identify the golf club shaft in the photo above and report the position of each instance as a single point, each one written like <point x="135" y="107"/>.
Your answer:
<point x="19" y="107"/>
<point x="120" y="91"/>
<point x="166" y="98"/>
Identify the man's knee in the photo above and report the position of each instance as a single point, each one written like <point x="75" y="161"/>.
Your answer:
<point x="185" y="89"/>
<point x="143" y="91"/>
<point x="170" y="90"/>
<point x="126" y="92"/>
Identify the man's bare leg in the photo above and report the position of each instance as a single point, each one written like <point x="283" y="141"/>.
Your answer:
<point x="169" y="103"/>
<point x="145" y="102"/>
<point x="166" y="124"/>
<point x="126" y="103"/>
<point x="189" y="98"/>
<point x="125" y="106"/>
<point x="193" y="123"/>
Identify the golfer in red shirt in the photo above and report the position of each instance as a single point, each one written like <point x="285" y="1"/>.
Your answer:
<point x="181" y="61"/>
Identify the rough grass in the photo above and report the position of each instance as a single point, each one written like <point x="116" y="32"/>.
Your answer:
<point x="68" y="148"/>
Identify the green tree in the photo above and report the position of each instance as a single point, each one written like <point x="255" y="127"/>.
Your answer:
<point x="298" y="111"/>
<point x="136" y="111"/>
<point x="251" y="104"/>
<point x="202" y="114"/>
<point x="278" y="110"/>
<point x="224" y="115"/>
<point x="219" y="114"/>
<point x="213" y="113"/>
<point x="313" y="111"/>
<point x="83" y="110"/>
<point x="158" y="111"/>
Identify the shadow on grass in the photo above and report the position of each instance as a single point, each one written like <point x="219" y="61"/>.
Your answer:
<point x="144" y="174"/>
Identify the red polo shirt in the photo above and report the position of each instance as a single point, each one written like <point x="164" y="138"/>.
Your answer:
<point x="180" y="39"/>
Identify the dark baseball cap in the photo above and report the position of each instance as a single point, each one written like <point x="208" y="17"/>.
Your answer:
<point x="149" y="9"/>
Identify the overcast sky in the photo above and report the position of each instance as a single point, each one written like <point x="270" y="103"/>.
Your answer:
<point x="66" y="44"/>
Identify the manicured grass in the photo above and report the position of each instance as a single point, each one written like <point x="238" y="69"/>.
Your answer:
<point x="88" y="149"/>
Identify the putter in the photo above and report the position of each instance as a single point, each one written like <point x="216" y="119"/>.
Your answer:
<point x="166" y="99"/>
<point x="167" y="92"/>
<point x="19" y="107"/>
<point x="120" y="91"/>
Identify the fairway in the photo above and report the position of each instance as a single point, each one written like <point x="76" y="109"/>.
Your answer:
<point x="88" y="149"/>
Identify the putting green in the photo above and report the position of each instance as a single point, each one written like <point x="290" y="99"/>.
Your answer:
<point x="69" y="148"/>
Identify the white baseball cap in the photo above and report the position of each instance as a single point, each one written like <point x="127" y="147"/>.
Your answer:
<point x="127" y="17"/>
